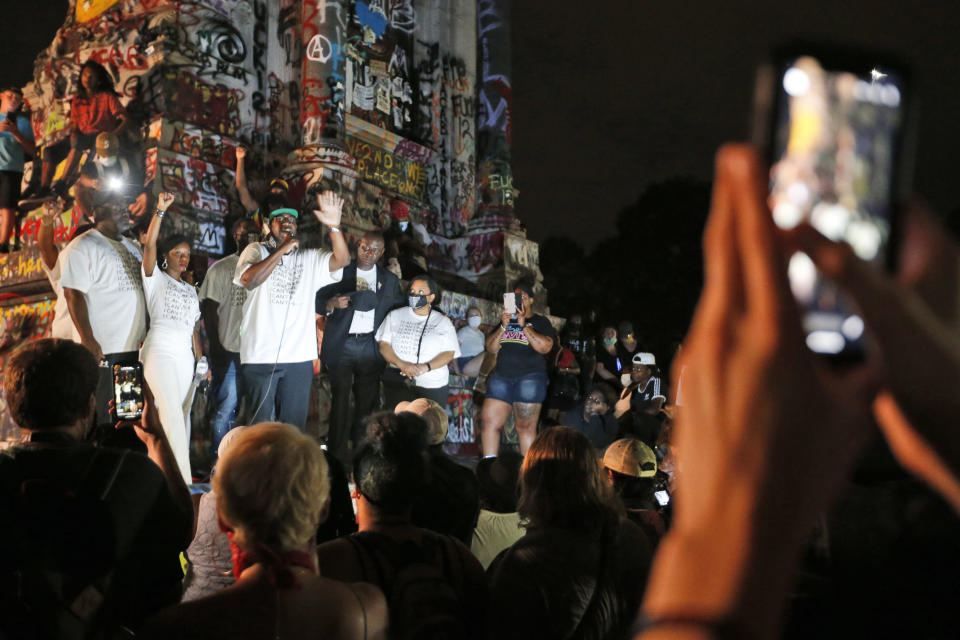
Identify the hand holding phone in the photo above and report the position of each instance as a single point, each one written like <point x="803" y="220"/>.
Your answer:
<point x="128" y="391"/>
<point x="510" y="303"/>
<point x="834" y="128"/>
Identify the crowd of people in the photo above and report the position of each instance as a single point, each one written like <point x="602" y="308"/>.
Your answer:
<point x="573" y="533"/>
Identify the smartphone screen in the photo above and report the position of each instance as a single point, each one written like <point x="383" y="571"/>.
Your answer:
<point x="834" y="150"/>
<point x="662" y="497"/>
<point x="510" y="303"/>
<point x="128" y="391"/>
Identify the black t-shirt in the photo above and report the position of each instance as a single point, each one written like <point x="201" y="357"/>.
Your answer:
<point x="82" y="513"/>
<point x="643" y="398"/>
<point x="610" y="361"/>
<point x="517" y="358"/>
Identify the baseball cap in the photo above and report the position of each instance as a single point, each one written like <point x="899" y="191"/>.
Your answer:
<point x="434" y="415"/>
<point x="107" y="145"/>
<point x="285" y="211"/>
<point x="631" y="457"/>
<point x="644" y="357"/>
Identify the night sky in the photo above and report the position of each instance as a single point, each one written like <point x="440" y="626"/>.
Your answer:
<point x="613" y="95"/>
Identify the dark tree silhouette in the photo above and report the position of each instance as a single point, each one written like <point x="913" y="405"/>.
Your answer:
<point x="650" y="272"/>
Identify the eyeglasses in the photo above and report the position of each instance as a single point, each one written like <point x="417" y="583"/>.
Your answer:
<point x="593" y="400"/>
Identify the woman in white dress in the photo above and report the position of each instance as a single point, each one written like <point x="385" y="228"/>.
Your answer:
<point x="172" y="346"/>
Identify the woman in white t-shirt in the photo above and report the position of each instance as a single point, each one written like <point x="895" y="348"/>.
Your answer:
<point x="171" y="348"/>
<point x="417" y="342"/>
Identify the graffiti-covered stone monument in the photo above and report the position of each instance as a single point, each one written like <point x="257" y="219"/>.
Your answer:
<point x="395" y="104"/>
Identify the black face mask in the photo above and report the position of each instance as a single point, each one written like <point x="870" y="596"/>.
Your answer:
<point x="417" y="302"/>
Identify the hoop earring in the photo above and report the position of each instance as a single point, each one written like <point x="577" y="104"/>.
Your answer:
<point x="163" y="263"/>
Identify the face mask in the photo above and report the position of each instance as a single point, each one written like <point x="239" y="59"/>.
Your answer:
<point x="609" y="342"/>
<point x="417" y="302"/>
<point x="625" y="379"/>
<point x="474" y="321"/>
<point x="403" y="226"/>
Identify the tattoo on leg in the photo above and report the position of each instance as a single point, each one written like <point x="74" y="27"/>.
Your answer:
<point x="527" y="410"/>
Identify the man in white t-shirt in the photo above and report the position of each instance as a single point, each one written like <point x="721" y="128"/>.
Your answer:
<point x="100" y="276"/>
<point x="278" y="333"/>
<point x="221" y="304"/>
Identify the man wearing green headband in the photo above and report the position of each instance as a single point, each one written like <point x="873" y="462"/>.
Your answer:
<point x="278" y="333"/>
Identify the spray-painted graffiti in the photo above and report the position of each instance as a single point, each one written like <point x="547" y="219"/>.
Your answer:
<point x="21" y="320"/>
<point x="21" y="267"/>
<point x="195" y="183"/>
<point x="494" y="95"/>
<point x="467" y="257"/>
<point x="185" y="97"/>
<point x="388" y="170"/>
<point x="211" y="236"/>
<point x="195" y="142"/>
<point x="323" y="72"/>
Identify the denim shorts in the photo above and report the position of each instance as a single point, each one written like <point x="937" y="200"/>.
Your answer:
<point x="531" y="388"/>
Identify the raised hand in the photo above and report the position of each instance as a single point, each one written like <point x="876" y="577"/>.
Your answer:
<point x="164" y="200"/>
<point x="767" y="434"/>
<point x="139" y="206"/>
<point x="331" y="208"/>
<point x="241" y="153"/>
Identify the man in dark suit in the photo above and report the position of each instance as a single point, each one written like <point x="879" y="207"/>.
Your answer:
<point x="355" y="307"/>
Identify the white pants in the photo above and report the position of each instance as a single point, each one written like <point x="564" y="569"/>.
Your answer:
<point x="168" y="368"/>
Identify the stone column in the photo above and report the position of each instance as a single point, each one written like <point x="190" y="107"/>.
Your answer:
<point x="495" y="189"/>
<point x="323" y="81"/>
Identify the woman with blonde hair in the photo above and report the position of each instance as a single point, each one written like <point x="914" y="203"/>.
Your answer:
<point x="272" y="491"/>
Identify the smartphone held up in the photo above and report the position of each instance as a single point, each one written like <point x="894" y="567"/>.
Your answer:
<point x="833" y="127"/>
<point x="128" y="391"/>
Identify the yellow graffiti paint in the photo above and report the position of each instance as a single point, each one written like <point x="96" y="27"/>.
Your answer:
<point x="90" y="9"/>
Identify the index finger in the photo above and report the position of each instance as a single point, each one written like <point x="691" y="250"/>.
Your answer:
<point x="766" y="289"/>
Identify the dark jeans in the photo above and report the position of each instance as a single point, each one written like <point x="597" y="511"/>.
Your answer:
<point x="226" y="395"/>
<point x="395" y="392"/>
<point x="277" y="394"/>
<point x="105" y="420"/>
<point x="357" y="369"/>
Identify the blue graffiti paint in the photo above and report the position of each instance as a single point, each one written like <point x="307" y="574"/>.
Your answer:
<point x="376" y="21"/>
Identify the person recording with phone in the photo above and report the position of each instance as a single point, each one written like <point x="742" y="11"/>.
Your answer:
<point x="519" y="382"/>
<point x="221" y="305"/>
<point x="171" y="351"/>
<point x="278" y="334"/>
<point x="97" y="530"/>
<point x="418" y="343"/>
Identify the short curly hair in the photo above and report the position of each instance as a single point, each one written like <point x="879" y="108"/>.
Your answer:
<point x="49" y="384"/>
<point x="272" y="486"/>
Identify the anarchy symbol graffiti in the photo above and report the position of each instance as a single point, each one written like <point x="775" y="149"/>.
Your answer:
<point x="319" y="49"/>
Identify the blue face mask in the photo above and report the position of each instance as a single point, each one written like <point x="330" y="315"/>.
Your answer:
<point x="417" y="302"/>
